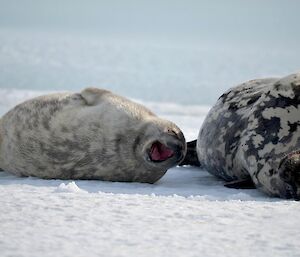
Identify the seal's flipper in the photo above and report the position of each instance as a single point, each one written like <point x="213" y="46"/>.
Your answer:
<point x="92" y="95"/>
<point x="246" y="183"/>
<point x="191" y="157"/>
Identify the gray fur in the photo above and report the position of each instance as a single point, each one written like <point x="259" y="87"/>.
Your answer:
<point x="249" y="132"/>
<point x="92" y="135"/>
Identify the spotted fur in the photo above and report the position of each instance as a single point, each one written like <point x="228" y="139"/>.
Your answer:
<point x="94" y="134"/>
<point x="250" y="131"/>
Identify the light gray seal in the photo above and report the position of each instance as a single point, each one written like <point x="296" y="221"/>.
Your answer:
<point x="94" y="134"/>
<point x="251" y="136"/>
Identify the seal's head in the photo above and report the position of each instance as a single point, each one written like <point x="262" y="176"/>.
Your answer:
<point x="139" y="146"/>
<point x="149" y="149"/>
<point x="163" y="145"/>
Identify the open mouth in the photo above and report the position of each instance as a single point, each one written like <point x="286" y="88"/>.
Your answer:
<point x="160" y="152"/>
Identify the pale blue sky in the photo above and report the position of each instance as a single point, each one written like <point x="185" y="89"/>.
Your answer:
<point x="255" y="20"/>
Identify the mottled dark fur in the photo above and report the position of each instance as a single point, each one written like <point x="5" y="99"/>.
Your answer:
<point x="250" y="130"/>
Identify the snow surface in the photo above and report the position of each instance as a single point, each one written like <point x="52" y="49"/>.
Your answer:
<point x="186" y="213"/>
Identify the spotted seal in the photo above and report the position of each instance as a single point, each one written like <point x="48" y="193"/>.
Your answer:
<point x="94" y="134"/>
<point x="251" y="137"/>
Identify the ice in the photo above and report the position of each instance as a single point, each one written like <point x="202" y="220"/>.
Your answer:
<point x="189" y="73"/>
<point x="71" y="187"/>
<point x="187" y="213"/>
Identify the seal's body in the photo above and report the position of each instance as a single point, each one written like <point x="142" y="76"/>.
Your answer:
<point x="94" y="134"/>
<point x="252" y="134"/>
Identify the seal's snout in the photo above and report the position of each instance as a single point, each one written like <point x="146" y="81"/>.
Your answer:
<point x="169" y="148"/>
<point x="176" y="141"/>
<point x="289" y="172"/>
<point x="160" y="152"/>
<point x="289" y="168"/>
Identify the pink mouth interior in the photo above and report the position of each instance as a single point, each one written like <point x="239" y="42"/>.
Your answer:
<point x="160" y="152"/>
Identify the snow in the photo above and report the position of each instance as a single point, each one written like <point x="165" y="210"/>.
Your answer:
<point x="186" y="213"/>
<point x="71" y="187"/>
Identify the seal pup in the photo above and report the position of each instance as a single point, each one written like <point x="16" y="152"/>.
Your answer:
<point x="94" y="134"/>
<point x="251" y="137"/>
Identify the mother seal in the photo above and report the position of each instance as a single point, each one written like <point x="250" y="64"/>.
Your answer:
<point x="251" y="136"/>
<point x="94" y="134"/>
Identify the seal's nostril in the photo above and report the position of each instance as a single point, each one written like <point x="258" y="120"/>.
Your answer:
<point x="171" y="131"/>
<point x="175" y="133"/>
